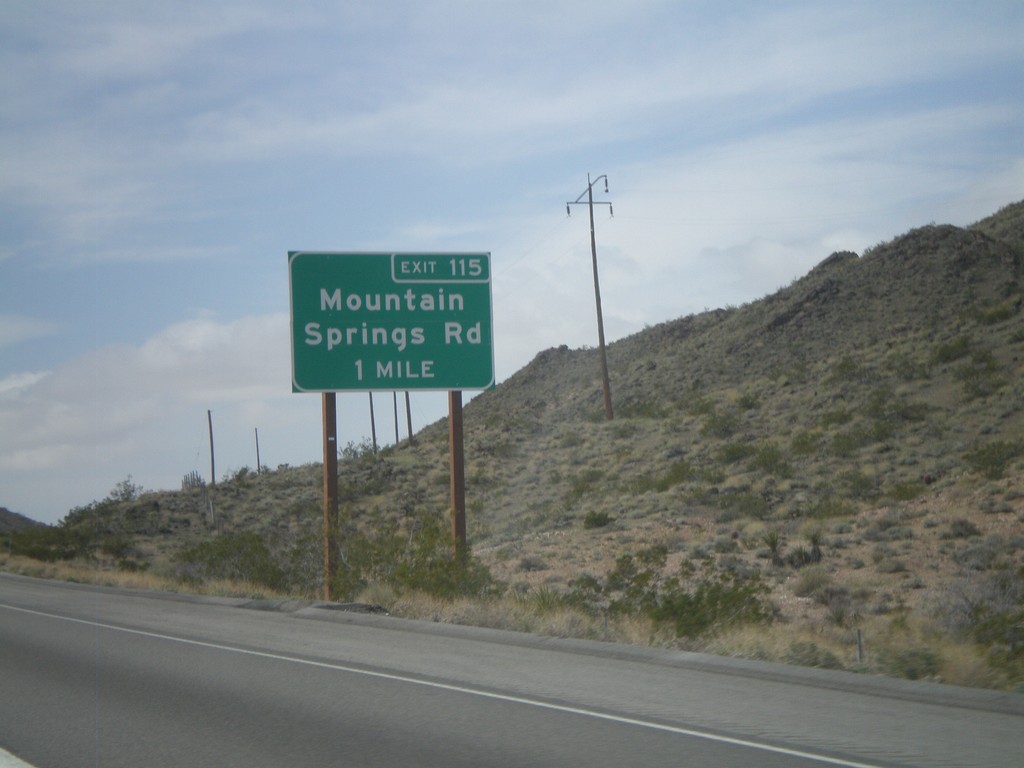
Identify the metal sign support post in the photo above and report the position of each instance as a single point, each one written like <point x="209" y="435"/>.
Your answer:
<point x="458" y="472"/>
<point x="330" y="415"/>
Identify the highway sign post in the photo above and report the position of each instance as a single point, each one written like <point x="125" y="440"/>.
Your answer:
<point x="387" y="321"/>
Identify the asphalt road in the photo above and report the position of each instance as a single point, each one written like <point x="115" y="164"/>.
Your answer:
<point x="103" y="677"/>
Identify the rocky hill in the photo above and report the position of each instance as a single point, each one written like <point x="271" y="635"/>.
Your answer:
<point x="867" y="419"/>
<point x="12" y="522"/>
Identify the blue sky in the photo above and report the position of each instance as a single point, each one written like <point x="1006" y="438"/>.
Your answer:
<point x="158" y="161"/>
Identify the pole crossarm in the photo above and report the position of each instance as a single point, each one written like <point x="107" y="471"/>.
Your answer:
<point x="588" y="193"/>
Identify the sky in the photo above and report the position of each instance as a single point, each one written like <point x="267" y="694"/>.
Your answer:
<point x="159" y="160"/>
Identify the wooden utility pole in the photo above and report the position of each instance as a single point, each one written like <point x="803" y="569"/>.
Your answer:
<point x="458" y="472"/>
<point x="259" y="467"/>
<point x="373" y="424"/>
<point x="408" y="416"/>
<point x="213" y="475"/>
<point x="394" y="399"/>
<point x="330" y="418"/>
<point x="605" y="383"/>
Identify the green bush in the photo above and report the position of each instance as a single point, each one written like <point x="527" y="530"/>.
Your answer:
<point x="416" y="557"/>
<point x="805" y="443"/>
<point x="581" y="484"/>
<point x="637" y="585"/>
<point x="716" y="602"/>
<point x="808" y="654"/>
<point x="51" y="544"/>
<point x="234" y="557"/>
<point x="910" y="663"/>
<point x="951" y="351"/>
<point x="721" y="425"/>
<point x="595" y="519"/>
<point x="679" y="472"/>
<point x="733" y="452"/>
<point x="980" y="377"/>
<point x="769" y="458"/>
<point x="992" y="459"/>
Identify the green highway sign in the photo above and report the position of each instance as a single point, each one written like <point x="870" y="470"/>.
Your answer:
<point x="390" y="321"/>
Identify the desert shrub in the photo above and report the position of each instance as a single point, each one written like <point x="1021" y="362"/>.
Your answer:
<point x="748" y="401"/>
<point x="961" y="528"/>
<point x="846" y="443"/>
<point x="640" y="409"/>
<point x="891" y="565"/>
<point x="586" y="592"/>
<point x="830" y="505"/>
<point x="805" y="443"/>
<point x="840" y="608"/>
<point x="992" y="459"/>
<point x="714" y="603"/>
<point x="544" y="600"/>
<point x="637" y="585"/>
<point x="234" y="557"/>
<point x="725" y="545"/>
<point x="888" y="529"/>
<point x="914" y="663"/>
<point x="717" y="424"/>
<point x="594" y="519"/>
<point x="415" y="556"/>
<point x="905" y="491"/>
<point x="952" y="350"/>
<point x="812" y="582"/>
<point x="679" y="472"/>
<point x="908" y="368"/>
<point x="885" y="405"/>
<point x="773" y="541"/>
<point x="980" y="376"/>
<point x="52" y="543"/>
<point x="733" y="452"/>
<point x="126" y="490"/>
<point x="532" y="563"/>
<point x="581" y="484"/>
<point x="836" y="418"/>
<point x="847" y="369"/>
<point x="740" y="504"/>
<point x="997" y="314"/>
<point x="799" y="556"/>
<point x="981" y="555"/>
<point x="808" y="654"/>
<point x="769" y="458"/>
<point x="858" y="485"/>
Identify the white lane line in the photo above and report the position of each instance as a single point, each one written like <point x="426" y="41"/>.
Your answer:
<point x="655" y="726"/>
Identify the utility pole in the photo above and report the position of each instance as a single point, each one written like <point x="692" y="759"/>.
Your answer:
<point x="394" y="399"/>
<point x="373" y="425"/>
<point x="408" y="416"/>
<point x="589" y="194"/>
<point x="209" y="421"/>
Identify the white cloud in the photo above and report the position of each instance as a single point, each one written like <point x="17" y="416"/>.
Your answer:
<point x="14" y="384"/>
<point x="15" y="329"/>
